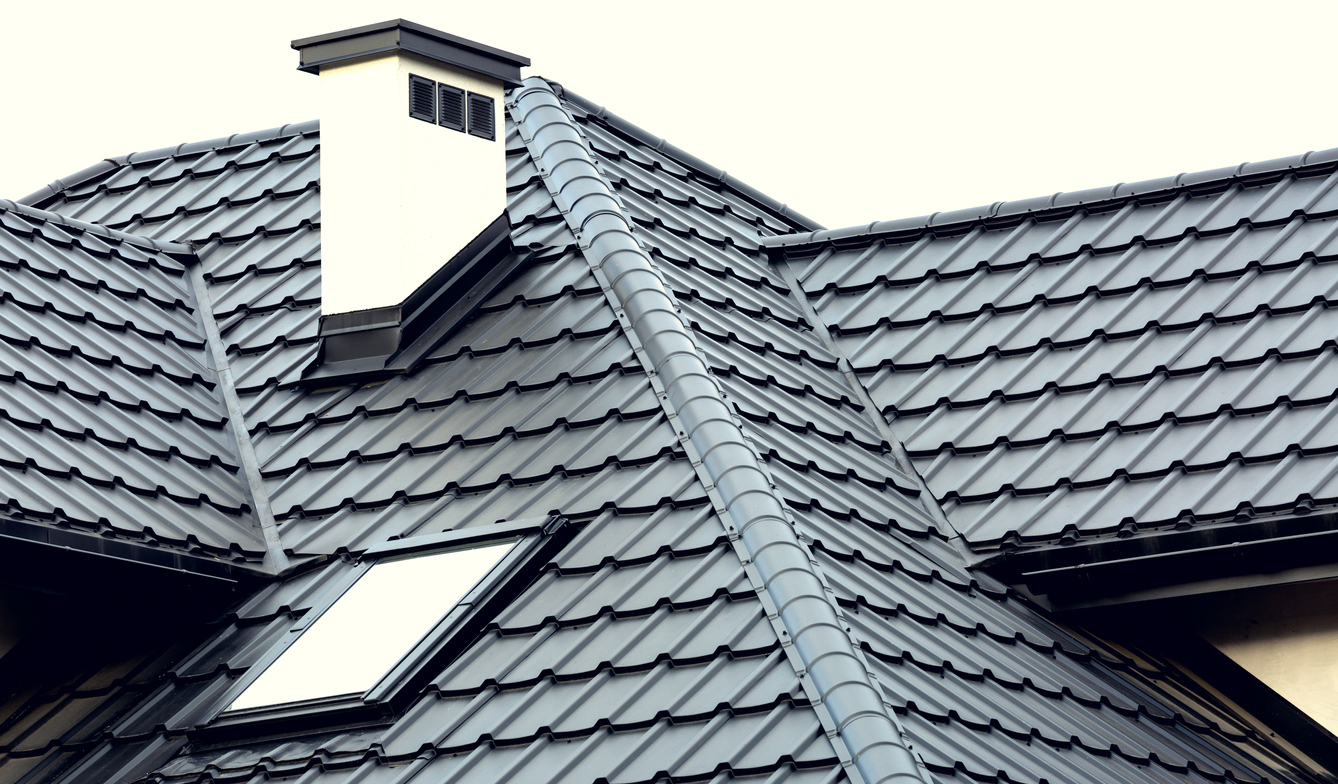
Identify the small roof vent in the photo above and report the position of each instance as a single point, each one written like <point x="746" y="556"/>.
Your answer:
<point x="422" y="99"/>
<point x="452" y="113"/>
<point x="481" y="121"/>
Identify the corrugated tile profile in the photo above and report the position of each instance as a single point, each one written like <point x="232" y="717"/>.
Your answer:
<point x="650" y="649"/>
<point x="1085" y="364"/>
<point x="692" y="399"/>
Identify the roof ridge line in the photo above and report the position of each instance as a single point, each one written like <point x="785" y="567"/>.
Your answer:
<point x="781" y="569"/>
<point x="1062" y="202"/>
<point x="58" y="186"/>
<point x="97" y="229"/>
<point x="686" y="159"/>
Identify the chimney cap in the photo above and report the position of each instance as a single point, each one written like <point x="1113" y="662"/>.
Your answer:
<point x="401" y="34"/>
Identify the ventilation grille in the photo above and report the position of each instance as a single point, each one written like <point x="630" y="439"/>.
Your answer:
<point x="422" y="99"/>
<point x="481" y="117"/>
<point x="451" y="111"/>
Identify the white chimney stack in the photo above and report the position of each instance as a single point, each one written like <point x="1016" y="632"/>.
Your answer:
<point x="413" y="167"/>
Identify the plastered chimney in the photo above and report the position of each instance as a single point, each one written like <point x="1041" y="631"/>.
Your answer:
<point x="413" y="165"/>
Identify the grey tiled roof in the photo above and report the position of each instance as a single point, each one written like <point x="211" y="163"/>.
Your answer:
<point x="111" y="421"/>
<point x="1121" y="360"/>
<point x="649" y="649"/>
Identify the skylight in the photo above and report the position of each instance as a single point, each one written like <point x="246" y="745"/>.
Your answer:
<point x="374" y="624"/>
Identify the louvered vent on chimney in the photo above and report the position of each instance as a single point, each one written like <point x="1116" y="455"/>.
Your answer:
<point x="389" y="230"/>
<point x="452" y="112"/>
<point x="422" y="101"/>
<point x="481" y="121"/>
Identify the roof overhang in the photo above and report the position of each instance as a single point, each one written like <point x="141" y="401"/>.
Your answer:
<point x="1167" y="564"/>
<point x="40" y="557"/>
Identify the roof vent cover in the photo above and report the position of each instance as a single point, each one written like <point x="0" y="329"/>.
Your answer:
<point x="422" y="99"/>
<point x="482" y="120"/>
<point x="452" y="107"/>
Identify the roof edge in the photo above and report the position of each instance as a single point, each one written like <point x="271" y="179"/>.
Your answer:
<point x="48" y="192"/>
<point x="688" y="160"/>
<point x="97" y="229"/>
<point x="1063" y="202"/>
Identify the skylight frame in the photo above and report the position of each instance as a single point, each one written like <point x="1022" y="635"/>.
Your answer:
<point x="539" y="539"/>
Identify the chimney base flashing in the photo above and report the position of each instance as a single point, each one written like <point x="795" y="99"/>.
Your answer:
<point x="367" y="345"/>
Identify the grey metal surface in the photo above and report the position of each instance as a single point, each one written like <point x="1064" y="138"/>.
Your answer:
<point x="1103" y="362"/>
<point x="644" y="651"/>
<point x="110" y="419"/>
<point x="706" y="427"/>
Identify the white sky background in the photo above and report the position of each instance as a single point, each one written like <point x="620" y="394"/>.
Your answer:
<point x="848" y="111"/>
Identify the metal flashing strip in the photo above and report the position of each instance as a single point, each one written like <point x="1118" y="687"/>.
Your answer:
<point x="1064" y="202"/>
<point x="276" y="560"/>
<point x="900" y="457"/>
<point x="368" y="345"/>
<point x="98" y="230"/>
<point x="152" y="561"/>
<point x="800" y="605"/>
<point x="403" y="35"/>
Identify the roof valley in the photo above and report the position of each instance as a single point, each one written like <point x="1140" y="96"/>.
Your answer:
<point x="276" y="559"/>
<point x="880" y="423"/>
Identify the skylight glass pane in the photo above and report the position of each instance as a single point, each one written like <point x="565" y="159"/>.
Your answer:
<point x="371" y="627"/>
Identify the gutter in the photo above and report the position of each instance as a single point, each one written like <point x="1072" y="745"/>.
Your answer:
<point x="781" y="568"/>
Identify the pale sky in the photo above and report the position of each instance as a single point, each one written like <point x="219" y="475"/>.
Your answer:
<point x="849" y="112"/>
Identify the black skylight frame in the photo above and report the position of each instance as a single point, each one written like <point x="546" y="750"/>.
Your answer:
<point x="539" y="540"/>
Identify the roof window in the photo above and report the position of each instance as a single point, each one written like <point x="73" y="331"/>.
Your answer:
<point x="389" y="608"/>
<point x="384" y="625"/>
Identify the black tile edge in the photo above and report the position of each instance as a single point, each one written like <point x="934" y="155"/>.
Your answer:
<point x="48" y="193"/>
<point x="42" y="557"/>
<point x="690" y="161"/>
<point x="1166" y="564"/>
<point x="1062" y="203"/>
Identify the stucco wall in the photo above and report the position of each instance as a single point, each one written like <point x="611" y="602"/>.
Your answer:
<point x="399" y="196"/>
<point x="1286" y="636"/>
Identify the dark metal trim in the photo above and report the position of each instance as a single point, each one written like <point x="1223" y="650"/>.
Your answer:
<point x="528" y="525"/>
<point x="403" y="35"/>
<point x="1255" y="696"/>
<point x="1229" y="556"/>
<point x="371" y="344"/>
<point x="150" y="562"/>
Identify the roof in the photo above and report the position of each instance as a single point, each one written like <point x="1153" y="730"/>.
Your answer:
<point x="1103" y="363"/>
<point x="797" y="612"/>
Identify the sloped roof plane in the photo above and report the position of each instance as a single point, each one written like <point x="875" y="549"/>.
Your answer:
<point x="664" y="642"/>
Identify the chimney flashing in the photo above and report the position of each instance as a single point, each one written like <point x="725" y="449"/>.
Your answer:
<point x="402" y="35"/>
<point x="371" y="344"/>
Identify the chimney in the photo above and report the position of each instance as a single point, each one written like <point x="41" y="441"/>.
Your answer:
<point x="413" y="172"/>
